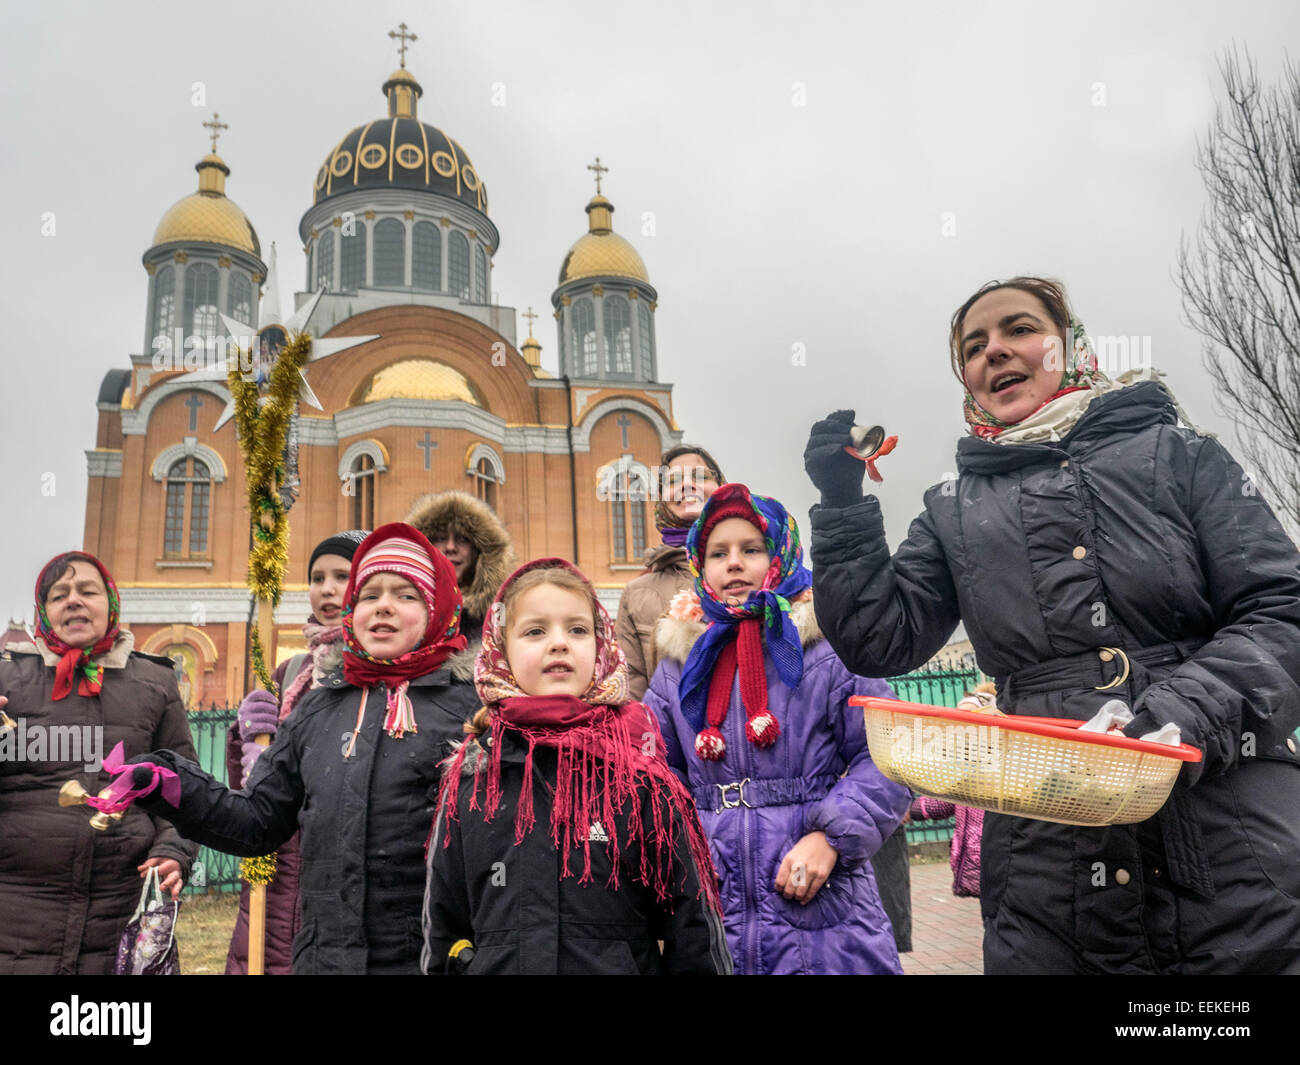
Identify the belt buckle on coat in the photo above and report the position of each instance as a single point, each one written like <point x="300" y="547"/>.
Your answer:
<point x="1107" y="654"/>
<point x="725" y="803"/>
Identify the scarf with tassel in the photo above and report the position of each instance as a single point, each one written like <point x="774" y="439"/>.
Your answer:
<point x="608" y="760"/>
<point x="738" y="634"/>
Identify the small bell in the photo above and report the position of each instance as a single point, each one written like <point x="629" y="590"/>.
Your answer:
<point x="73" y="794"/>
<point x="7" y="723"/>
<point x="871" y="443"/>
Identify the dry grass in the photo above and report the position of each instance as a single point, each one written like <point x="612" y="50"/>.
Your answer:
<point x="203" y="932"/>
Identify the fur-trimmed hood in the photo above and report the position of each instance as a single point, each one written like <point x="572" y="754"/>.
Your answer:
<point x="675" y="636"/>
<point x="476" y="521"/>
<point x="114" y="658"/>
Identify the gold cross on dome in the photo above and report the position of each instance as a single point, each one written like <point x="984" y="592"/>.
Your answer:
<point x="216" y="126"/>
<point x="402" y="36"/>
<point x="598" y="169"/>
<point x="530" y="316"/>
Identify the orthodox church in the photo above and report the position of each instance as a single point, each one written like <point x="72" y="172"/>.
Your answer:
<point x="399" y="247"/>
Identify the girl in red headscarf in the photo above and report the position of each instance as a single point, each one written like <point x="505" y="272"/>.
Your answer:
<point x="355" y="765"/>
<point x="563" y="842"/>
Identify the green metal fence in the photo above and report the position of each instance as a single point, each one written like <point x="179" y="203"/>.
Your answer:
<point x="937" y="687"/>
<point x="213" y="871"/>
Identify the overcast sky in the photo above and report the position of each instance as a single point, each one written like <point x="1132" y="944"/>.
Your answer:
<point x="832" y="175"/>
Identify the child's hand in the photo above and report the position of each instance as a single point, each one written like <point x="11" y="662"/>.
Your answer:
<point x="806" y="867"/>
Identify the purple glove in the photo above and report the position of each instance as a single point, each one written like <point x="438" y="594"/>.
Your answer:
<point x="259" y="715"/>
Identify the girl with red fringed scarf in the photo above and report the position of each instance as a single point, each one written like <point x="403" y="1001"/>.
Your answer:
<point x="563" y="842"/>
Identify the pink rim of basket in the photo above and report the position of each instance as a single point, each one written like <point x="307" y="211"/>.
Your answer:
<point x="1052" y="727"/>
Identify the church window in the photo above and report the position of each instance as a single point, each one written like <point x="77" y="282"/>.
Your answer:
<point x="352" y="258"/>
<point x="647" y="340"/>
<point x="485" y="483"/>
<point x="201" y="284"/>
<point x="361" y="487"/>
<point x="582" y="337"/>
<point x="390" y="253"/>
<point x="426" y="257"/>
<point x="239" y="299"/>
<point x="325" y="260"/>
<point x="481" y="275"/>
<point x="618" y="336"/>
<point x="188" y="491"/>
<point x="164" y="302"/>
<point x="458" y="265"/>
<point x="629" y="490"/>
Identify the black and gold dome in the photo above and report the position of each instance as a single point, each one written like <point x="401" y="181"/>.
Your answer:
<point x="400" y="152"/>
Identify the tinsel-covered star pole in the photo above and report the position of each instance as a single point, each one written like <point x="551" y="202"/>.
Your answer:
<point x="264" y="404"/>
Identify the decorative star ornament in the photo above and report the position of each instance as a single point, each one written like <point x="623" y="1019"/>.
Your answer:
<point x="269" y="339"/>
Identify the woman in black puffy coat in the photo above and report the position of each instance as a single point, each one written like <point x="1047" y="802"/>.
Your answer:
<point x="1095" y="549"/>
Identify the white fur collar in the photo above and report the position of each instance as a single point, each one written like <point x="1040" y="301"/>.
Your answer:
<point x="114" y="658"/>
<point x="675" y="637"/>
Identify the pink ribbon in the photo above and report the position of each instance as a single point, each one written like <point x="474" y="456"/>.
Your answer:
<point x="120" y="792"/>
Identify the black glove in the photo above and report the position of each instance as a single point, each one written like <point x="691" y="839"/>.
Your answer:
<point x="837" y="474"/>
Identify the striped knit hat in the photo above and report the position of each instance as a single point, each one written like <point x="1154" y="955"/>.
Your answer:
<point x="402" y="549"/>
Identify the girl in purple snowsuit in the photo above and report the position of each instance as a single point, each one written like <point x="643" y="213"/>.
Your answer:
<point x="753" y="705"/>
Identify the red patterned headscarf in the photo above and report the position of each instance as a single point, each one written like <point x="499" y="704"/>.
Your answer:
<point x="609" y="752"/>
<point x="402" y="549"/>
<point x="76" y="664"/>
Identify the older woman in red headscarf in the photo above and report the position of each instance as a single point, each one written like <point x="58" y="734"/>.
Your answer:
<point x="67" y="890"/>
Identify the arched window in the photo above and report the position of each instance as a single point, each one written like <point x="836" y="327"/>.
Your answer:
<point x="239" y="298"/>
<point x="647" y="340"/>
<point x="201" y="285"/>
<point x="485" y="483"/>
<point x="164" y="302"/>
<point x="481" y="275"/>
<point x="618" y="336"/>
<point x="188" y="494"/>
<point x="390" y="254"/>
<point x="582" y="337"/>
<point x="426" y="257"/>
<point x="352" y="258"/>
<point x="458" y="265"/>
<point x="325" y="260"/>
<point x="361" y="487"/>
<point x="629" y="488"/>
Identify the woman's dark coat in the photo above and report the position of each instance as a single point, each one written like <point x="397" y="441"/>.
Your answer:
<point x="1130" y="533"/>
<point x="510" y="901"/>
<point x="67" y="890"/>
<point x="364" y="819"/>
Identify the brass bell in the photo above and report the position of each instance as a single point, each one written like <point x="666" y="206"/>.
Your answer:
<point x="73" y="794"/>
<point x="7" y="722"/>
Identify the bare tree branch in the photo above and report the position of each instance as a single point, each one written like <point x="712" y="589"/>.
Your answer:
<point x="1241" y="276"/>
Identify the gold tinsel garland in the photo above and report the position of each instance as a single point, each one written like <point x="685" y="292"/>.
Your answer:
<point x="258" y="870"/>
<point x="262" y="424"/>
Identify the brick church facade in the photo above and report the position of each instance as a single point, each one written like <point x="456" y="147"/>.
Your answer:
<point x="399" y="242"/>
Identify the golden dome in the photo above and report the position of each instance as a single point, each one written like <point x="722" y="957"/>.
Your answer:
<point x="208" y="215"/>
<point x="601" y="252"/>
<point x="420" y="379"/>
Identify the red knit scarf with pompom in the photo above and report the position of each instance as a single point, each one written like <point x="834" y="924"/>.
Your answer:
<point x="743" y="655"/>
<point x="601" y="774"/>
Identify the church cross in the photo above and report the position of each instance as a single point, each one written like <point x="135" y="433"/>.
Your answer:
<point x="403" y="36"/>
<point x="530" y="316"/>
<point x="216" y="126"/>
<point x="599" y="170"/>
<point x="623" y="421"/>
<point x="194" y="403"/>
<point x="428" y="445"/>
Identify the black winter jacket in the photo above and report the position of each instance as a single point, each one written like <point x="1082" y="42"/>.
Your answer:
<point x="510" y="901"/>
<point x="364" y="819"/>
<point x="1130" y="533"/>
